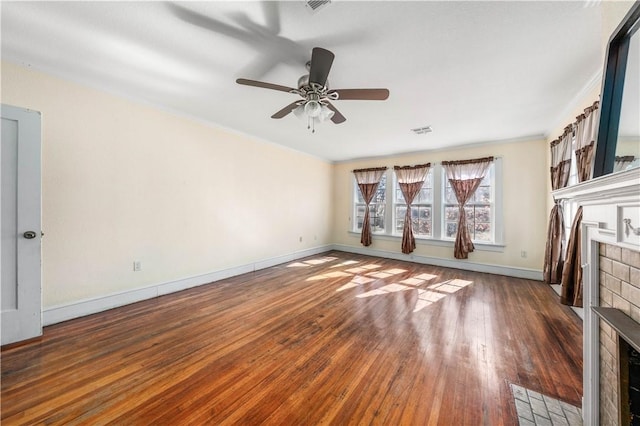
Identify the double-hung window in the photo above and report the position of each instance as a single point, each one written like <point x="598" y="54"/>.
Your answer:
<point x="421" y="209"/>
<point x="479" y="210"/>
<point x="377" y="207"/>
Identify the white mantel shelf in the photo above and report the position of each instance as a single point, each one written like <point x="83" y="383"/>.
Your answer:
<point x="602" y="188"/>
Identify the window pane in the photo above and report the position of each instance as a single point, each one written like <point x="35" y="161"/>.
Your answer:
<point x="399" y="196"/>
<point x="469" y="210"/>
<point x="424" y="196"/>
<point x="422" y="221"/>
<point x="376" y="212"/>
<point x="451" y="213"/>
<point x="359" y="216"/>
<point x="483" y="195"/>
<point x="450" y="229"/>
<point x="400" y="212"/>
<point x="483" y="232"/>
<point x="381" y="191"/>
<point x="450" y="196"/>
<point x="483" y="214"/>
<point x="428" y="182"/>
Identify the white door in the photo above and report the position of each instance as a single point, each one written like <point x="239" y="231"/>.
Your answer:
<point x="21" y="296"/>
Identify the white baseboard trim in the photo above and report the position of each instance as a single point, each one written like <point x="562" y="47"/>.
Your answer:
<point x="65" y="312"/>
<point x="531" y="274"/>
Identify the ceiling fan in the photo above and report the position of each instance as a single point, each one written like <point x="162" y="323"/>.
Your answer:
<point x="316" y="94"/>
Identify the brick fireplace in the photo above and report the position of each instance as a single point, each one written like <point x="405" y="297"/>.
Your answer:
<point x="611" y="281"/>
<point x="619" y="289"/>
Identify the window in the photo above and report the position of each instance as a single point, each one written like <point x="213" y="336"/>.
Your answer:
<point x="434" y="211"/>
<point x="479" y="210"/>
<point x="376" y="207"/>
<point x="421" y="209"/>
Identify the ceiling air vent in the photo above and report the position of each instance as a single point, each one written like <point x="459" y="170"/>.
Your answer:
<point x="314" y="5"/>
<point x="422" y="130"/>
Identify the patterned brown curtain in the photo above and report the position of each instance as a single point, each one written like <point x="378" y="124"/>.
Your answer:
<point x="586" y="130"/>
<point x="571" y="291"/>
<point x="465" y="177"/>
<point x="560" y="168"/>
<point x="586" y="133"/>
<point x="368" y="181"/>
<point x="410" y="180"/>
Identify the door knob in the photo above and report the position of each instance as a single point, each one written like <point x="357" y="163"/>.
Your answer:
<point x="29" y="235"/>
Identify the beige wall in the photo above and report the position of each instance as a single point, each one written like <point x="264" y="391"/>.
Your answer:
<point x="524" y="202"/>
<point x="125" y="182"/>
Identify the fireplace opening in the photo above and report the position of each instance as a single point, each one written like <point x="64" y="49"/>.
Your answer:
<point x="629" y="384"/>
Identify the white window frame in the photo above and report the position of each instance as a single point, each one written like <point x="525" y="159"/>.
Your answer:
<point x="396" y="204"/>
<point x="355" y="204"/>
<point x="491" y="204"/>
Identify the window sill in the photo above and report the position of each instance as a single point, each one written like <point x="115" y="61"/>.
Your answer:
<point x="495" y="247"/>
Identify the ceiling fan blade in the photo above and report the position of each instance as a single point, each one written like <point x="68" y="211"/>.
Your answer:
<point x="337" y="116"/>
<point x="265" y="85"/>
<point x="286" y="110"/>
<point x="321" y="61"/>
<point x="362" y="94"/>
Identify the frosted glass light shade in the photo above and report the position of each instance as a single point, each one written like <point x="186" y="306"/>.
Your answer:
<point x="312" y="108"/>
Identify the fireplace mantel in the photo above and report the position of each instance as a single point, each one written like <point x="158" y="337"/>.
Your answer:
<point x="609" y="204"/>
<point x="602" y="188"/>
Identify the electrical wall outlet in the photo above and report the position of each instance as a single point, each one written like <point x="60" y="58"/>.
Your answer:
<point x="137" y="266"/>
<point x="523" y="253"/>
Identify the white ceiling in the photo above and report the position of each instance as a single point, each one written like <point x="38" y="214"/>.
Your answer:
<point x="475" y="71"/>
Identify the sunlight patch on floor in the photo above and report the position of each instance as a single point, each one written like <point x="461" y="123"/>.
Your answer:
<point x="363" y="268"/>
<point x="355" y="282"/>
<point x="425" y="298"/>
<point x="426" y="277"/>
<point x="389" y="288"/>
<point x="437" y="291"/>
<point x="313" y="262"/>
<point x="450" y="286"/>
<point x="386" y="273"/>
<point x="320" y="260"/>
<point x="412" y="281"/>
<point x="298" y="265"/>
<point x="346" y="263"/>
<point x="335" y="274"/>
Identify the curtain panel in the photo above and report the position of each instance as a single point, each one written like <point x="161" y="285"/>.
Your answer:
<point x="571" y="288"/>
<point x="410" y="180"/>
<point x="560" y="168"/>
<point x="586" y="134"/>
<point x="368" y="181"/>
<point x="465" y="177"/>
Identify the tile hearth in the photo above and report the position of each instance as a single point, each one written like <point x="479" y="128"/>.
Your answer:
<point x="535" y="409"/>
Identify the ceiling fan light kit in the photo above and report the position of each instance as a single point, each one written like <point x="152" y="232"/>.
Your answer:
<point x="314" y="89"/>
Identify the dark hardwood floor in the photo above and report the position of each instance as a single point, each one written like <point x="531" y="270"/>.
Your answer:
<point x="336" y="338"/>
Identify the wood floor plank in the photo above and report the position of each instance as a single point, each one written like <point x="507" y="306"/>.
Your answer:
<point x="336" y="338"/>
